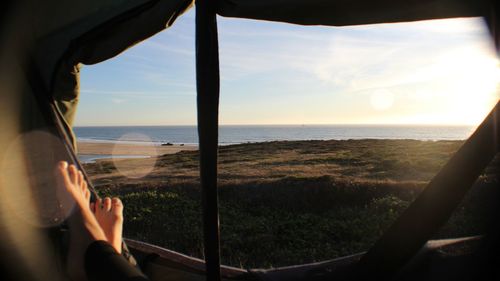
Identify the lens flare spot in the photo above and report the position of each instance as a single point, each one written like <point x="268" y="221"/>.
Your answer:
<point x="141" y="148"/>
<point x="27" y="180"/>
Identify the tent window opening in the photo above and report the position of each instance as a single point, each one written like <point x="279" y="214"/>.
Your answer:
<point x="327" y="134"/>
<point x="356" y="121"/>
<point x="137" y="139"/>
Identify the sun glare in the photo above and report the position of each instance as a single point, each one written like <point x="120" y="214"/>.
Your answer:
<point x="382" y="99"/>
<point x="457" y="86"/>
<point x="472" y="76"/>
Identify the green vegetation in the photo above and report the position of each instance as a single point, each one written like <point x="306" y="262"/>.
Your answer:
<point x="285" y="203"/>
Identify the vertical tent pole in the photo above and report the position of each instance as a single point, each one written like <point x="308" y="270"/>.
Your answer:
<point x="494" y="24"/>
<point x="207" y="83"/>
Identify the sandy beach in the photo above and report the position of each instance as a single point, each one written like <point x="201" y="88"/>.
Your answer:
<point x="110" y="148"/>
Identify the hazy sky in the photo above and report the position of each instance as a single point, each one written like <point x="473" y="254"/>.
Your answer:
<point x="433" y="72"/>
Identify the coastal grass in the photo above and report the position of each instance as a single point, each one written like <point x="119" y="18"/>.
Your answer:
<point x="287" y="202"/>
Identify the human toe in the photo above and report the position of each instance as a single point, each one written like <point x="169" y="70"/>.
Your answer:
<point x="86" y="193"/>
<point x="80" y="179"/>
<point x="107" y="204"/>
<point x="62" y="175"/>
<point x="73" y="173"/>
<point x="117" y="206"/>
<point x="98" y="206"/>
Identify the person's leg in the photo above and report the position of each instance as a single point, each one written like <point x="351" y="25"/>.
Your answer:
<point x="109" y="214"/>
<point x="90" y="255"/>
<point x="84" y="228"/>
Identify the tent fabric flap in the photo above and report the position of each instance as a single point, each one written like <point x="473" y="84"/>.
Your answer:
<point x="66" y="95"/>
<point x="126" y="30"/>
<point x="350" y="12"/>
<point x="107" y="41"/>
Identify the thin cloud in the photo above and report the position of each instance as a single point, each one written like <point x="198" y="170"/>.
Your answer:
<point x="168" y="48"/>
<point x="118" y="101"/>
<point x="137" y="94"/>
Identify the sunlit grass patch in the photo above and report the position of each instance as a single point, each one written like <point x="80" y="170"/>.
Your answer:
<point x="285" y="203"/>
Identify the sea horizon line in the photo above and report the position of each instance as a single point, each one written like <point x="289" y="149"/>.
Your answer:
<point x="292" y="125"/>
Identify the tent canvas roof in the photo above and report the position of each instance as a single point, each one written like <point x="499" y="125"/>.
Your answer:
<point x="47" y="40"/>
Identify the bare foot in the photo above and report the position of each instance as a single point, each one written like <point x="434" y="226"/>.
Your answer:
<point x="83" y="226"/>
<point x="109" y="214"/>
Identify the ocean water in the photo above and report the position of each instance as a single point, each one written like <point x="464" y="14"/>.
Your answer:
<point x="91" y="158"/>
<point x="230" y="134"/>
